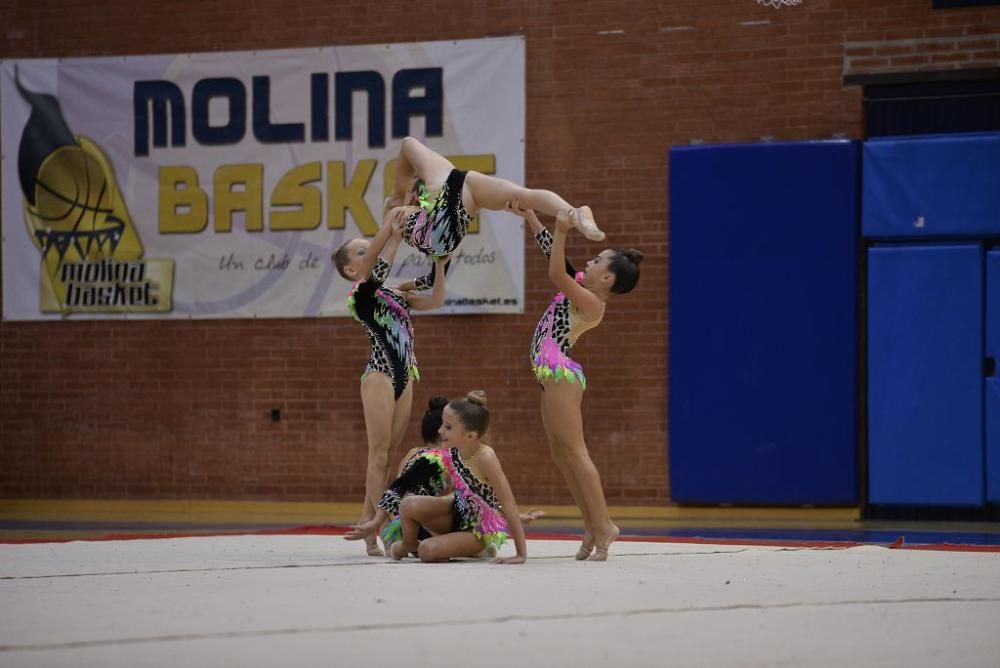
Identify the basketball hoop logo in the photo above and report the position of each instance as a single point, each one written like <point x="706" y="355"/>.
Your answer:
<point x="77" y="218"/>
<point x="778" y="3"/>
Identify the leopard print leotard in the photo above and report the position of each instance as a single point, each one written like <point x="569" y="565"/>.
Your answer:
<point x="385" y="314"/>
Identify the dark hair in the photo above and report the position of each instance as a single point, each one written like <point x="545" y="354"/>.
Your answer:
<point x="431" y="422"/>
<point x="340" y="259"/>
<point x="625" y="266"/>
<point x="472" y="411"/>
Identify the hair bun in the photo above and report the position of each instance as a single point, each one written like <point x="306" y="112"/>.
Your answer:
<point x="477" y="397"/>
<point x="634" y="255"/>
<point x="436" y="403"/>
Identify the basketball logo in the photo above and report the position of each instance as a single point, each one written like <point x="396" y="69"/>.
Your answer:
<point x="75" y="213"/>
<point x="90" y="250"/>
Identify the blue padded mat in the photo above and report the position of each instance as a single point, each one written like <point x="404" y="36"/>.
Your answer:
<point x="763" y="324"/>
<point x="932" y="187"/>
<point x="925" y="347"/>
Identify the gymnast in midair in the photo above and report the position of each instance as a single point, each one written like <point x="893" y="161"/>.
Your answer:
<point x="439" y="202"/>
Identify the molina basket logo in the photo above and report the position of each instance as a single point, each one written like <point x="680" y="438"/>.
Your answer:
<point x="91" y="252"/>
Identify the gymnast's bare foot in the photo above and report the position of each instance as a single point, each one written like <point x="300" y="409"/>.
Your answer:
<point x="603" y="543"/>
<point x="583" y="219"/>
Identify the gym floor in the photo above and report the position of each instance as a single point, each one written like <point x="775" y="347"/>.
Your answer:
<point x="88" y="583"/>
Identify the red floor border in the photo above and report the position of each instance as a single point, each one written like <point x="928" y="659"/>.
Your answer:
<point x="328" y="530"/>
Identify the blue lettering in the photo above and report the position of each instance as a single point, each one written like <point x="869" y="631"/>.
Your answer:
<point x="263" y="129"/>
<point x="430" y="105"/>
<point x="370" y="82"/>
<point x="236" y="96"/>
<point x="162" y="95"/>
<point x="159" y="109"/>
<point x="319" y="94"/>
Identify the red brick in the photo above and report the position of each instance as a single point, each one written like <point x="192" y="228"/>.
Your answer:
<point x="182" y="409"/>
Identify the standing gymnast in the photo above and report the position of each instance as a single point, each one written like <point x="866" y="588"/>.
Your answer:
<point x="481" y="512"/>
<point x="436" y="224"/>
<point x="386" y="390"/>
<point x="578" y="307"/>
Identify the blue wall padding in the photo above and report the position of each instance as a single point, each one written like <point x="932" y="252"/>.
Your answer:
<point x="932" y="187"/>
<point x="992" y="390"/>
<point x="992" y="346"/>
<point x="925" y="377"/>
<point x="763" y="328"/>
<point x="992" y="405"/>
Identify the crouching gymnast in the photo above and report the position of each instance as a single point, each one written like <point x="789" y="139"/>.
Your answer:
<point x="481" y="512"/>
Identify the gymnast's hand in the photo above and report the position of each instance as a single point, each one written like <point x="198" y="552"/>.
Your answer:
<point x="565" y="220"/>
<point x="516" y="559"/>
<point x="397" y="218"/>
<point x="362" y="530"/>
<point x="532" y="515"/>
<point x="514" y="206"/>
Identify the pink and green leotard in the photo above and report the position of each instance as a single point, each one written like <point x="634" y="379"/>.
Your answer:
<point x="557" y="330"/>
<point x="475" y="507"/>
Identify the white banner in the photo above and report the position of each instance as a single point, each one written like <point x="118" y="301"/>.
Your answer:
<point x="217" y="185"/>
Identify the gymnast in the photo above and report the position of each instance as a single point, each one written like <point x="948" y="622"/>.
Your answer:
<point x="577" y="307"/>
<point x="386" y="390"/>
<point x="436" y="223"/>
<point x="430" y="426"/>
<point x="481" y="511"/>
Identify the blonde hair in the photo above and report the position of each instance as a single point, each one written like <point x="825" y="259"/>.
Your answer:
<point x="341" y="258"/>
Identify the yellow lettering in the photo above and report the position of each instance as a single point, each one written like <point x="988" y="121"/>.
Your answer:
<point x="248" y="199"/>
<point x="179" y="190"/>
<point x="292" y="191"/>
<point x="296" y="202"/>
<point x="341" y="198"/>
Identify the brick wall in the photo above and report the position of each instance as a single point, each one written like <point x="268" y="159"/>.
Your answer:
<point x="964" y="51"/>
<point x="182" y="409"/>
